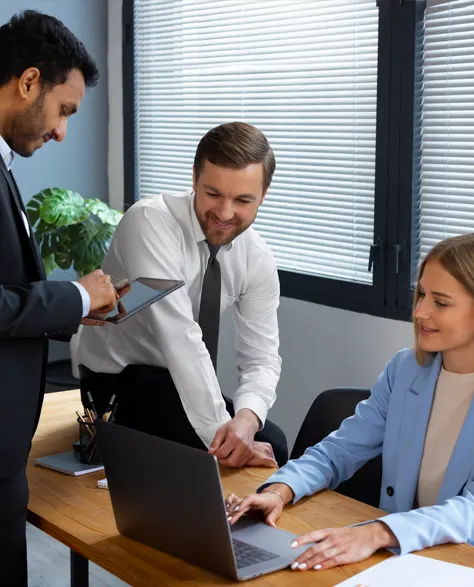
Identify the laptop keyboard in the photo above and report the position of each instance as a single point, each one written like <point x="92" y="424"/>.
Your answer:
<point x="247" y="554"/>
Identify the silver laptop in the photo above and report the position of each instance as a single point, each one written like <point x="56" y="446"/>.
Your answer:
<point x="169" y="496"/>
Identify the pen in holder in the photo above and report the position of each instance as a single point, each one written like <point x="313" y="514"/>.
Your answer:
<point x="89" y="452"/>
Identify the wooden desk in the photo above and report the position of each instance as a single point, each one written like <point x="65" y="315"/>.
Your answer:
<point x="75" y="512"/>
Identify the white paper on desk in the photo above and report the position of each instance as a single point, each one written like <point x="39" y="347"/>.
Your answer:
<point x="411" y="570"/>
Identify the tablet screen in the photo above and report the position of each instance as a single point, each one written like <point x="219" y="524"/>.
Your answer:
<point x="144" y="291"/>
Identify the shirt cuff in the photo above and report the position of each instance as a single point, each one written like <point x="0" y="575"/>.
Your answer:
<point x="207" y="435"/>
<point x="404" y="533"/>
<point x="254" y="403"/>
<point x="86" y="300"/>
<point x="281" y="476"/>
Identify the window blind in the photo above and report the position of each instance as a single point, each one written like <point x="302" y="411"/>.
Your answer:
<point x="305" y="73"/>
<point x="444" y="129"/>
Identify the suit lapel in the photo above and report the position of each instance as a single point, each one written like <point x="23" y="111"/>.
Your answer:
<point x="19" y="207"/>
<point x="32" y="239"/>
<point x="461" y="463"/>
<point x="11" y="185"/>
<point x="414" y="422"/>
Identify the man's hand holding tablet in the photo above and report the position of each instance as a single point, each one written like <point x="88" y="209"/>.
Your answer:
<point x="142" y="292"/>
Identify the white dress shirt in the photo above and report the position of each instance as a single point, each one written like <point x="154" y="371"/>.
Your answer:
<point x="8" y="156"/>
<point x="161" y="237"/>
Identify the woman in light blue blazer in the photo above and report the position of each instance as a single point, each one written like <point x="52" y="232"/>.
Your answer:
<point x="419" y="416"/>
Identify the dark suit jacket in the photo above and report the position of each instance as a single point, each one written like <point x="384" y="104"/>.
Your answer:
<point x="31" y="310"/>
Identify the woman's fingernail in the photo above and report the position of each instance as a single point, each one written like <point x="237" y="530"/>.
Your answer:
<point x="302" y="566"/>
<point x="317" y="567"/>
<point x="294" y="544"/>
<point x="294" y="565"/>
<point x="229" y="518"/>
<point x="237" y="508"/>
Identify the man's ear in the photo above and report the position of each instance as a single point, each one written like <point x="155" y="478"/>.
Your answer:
<point x="29" y="85"/>
<point x="264" y="195"/>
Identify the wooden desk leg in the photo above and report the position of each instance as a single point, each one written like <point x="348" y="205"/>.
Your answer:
<point x="79" y="570"/>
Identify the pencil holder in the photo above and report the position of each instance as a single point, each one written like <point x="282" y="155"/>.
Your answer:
<point x="86" y="431"/>
<point x="89" y="452"/>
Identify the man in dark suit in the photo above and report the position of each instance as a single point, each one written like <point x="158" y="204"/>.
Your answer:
<point x="44" y="70"/>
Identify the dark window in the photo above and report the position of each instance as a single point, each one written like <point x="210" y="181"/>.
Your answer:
<point x="368" y="107"/>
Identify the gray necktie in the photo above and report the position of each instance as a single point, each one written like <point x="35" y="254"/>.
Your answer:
<point x="209" y="311"/>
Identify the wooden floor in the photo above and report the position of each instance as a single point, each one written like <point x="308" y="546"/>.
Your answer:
<point x="48" y="564"/>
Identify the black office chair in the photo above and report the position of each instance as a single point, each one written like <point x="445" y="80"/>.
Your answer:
<point x="329" y="409"/>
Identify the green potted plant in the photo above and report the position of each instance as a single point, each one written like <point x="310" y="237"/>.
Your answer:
<point x="71" y="232"/>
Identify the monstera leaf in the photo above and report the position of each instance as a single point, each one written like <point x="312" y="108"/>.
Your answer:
<point x="49" y="264"/>
<point x="71" y="231"/>
<point x="103" y="212"/>
<point x="58" y="207"/>
<point x="63" y="208"/>
<point x="63" y="254"/>
<point x="90" y="244"/>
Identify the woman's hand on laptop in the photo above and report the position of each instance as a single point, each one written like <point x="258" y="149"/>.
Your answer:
<point x="270" y="502"/>
<point x="341" y="546"/>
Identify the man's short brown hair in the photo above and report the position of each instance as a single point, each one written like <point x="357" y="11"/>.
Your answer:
<point x="236" y="145"/>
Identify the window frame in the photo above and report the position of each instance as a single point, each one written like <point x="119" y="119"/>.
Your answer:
<point x="390" y="294"/>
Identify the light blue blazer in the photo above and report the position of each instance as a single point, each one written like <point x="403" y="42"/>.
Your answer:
<point x="393" y="421"/>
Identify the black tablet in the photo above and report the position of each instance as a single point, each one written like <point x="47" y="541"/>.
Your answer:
<point x="144" y="292"/>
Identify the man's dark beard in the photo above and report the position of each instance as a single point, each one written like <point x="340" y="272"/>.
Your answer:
<point x="237" y="229"/>
<point x="22" y="134"/>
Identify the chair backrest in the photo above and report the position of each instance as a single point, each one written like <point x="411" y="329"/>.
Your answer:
<point x="327" y="412"/>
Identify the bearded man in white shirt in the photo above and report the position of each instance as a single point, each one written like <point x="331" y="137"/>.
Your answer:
<point x="161" y="362"/>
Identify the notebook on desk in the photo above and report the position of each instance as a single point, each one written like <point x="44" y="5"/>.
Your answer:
<point x="68" y="463"/>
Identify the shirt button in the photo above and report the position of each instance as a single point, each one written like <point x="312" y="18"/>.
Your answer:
<point x="390" y="491"/>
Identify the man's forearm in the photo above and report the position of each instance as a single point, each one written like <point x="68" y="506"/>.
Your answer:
<point x="250" y="418"/>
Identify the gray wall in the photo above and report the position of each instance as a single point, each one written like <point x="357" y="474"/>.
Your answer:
<point x="321" y="347"/>
<point x="80" y="162"/>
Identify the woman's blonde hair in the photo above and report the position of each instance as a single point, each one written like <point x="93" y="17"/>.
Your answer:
<point x="456" y="255"/>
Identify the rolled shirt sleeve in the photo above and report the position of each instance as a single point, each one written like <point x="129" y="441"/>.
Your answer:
<point x="257" y="339"/>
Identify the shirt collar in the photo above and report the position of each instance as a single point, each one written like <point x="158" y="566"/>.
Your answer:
<point x="6" y="153"/>
<point x="198" y="233"/>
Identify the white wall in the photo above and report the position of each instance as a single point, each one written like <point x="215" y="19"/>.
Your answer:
<point x="321" y="347"/>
